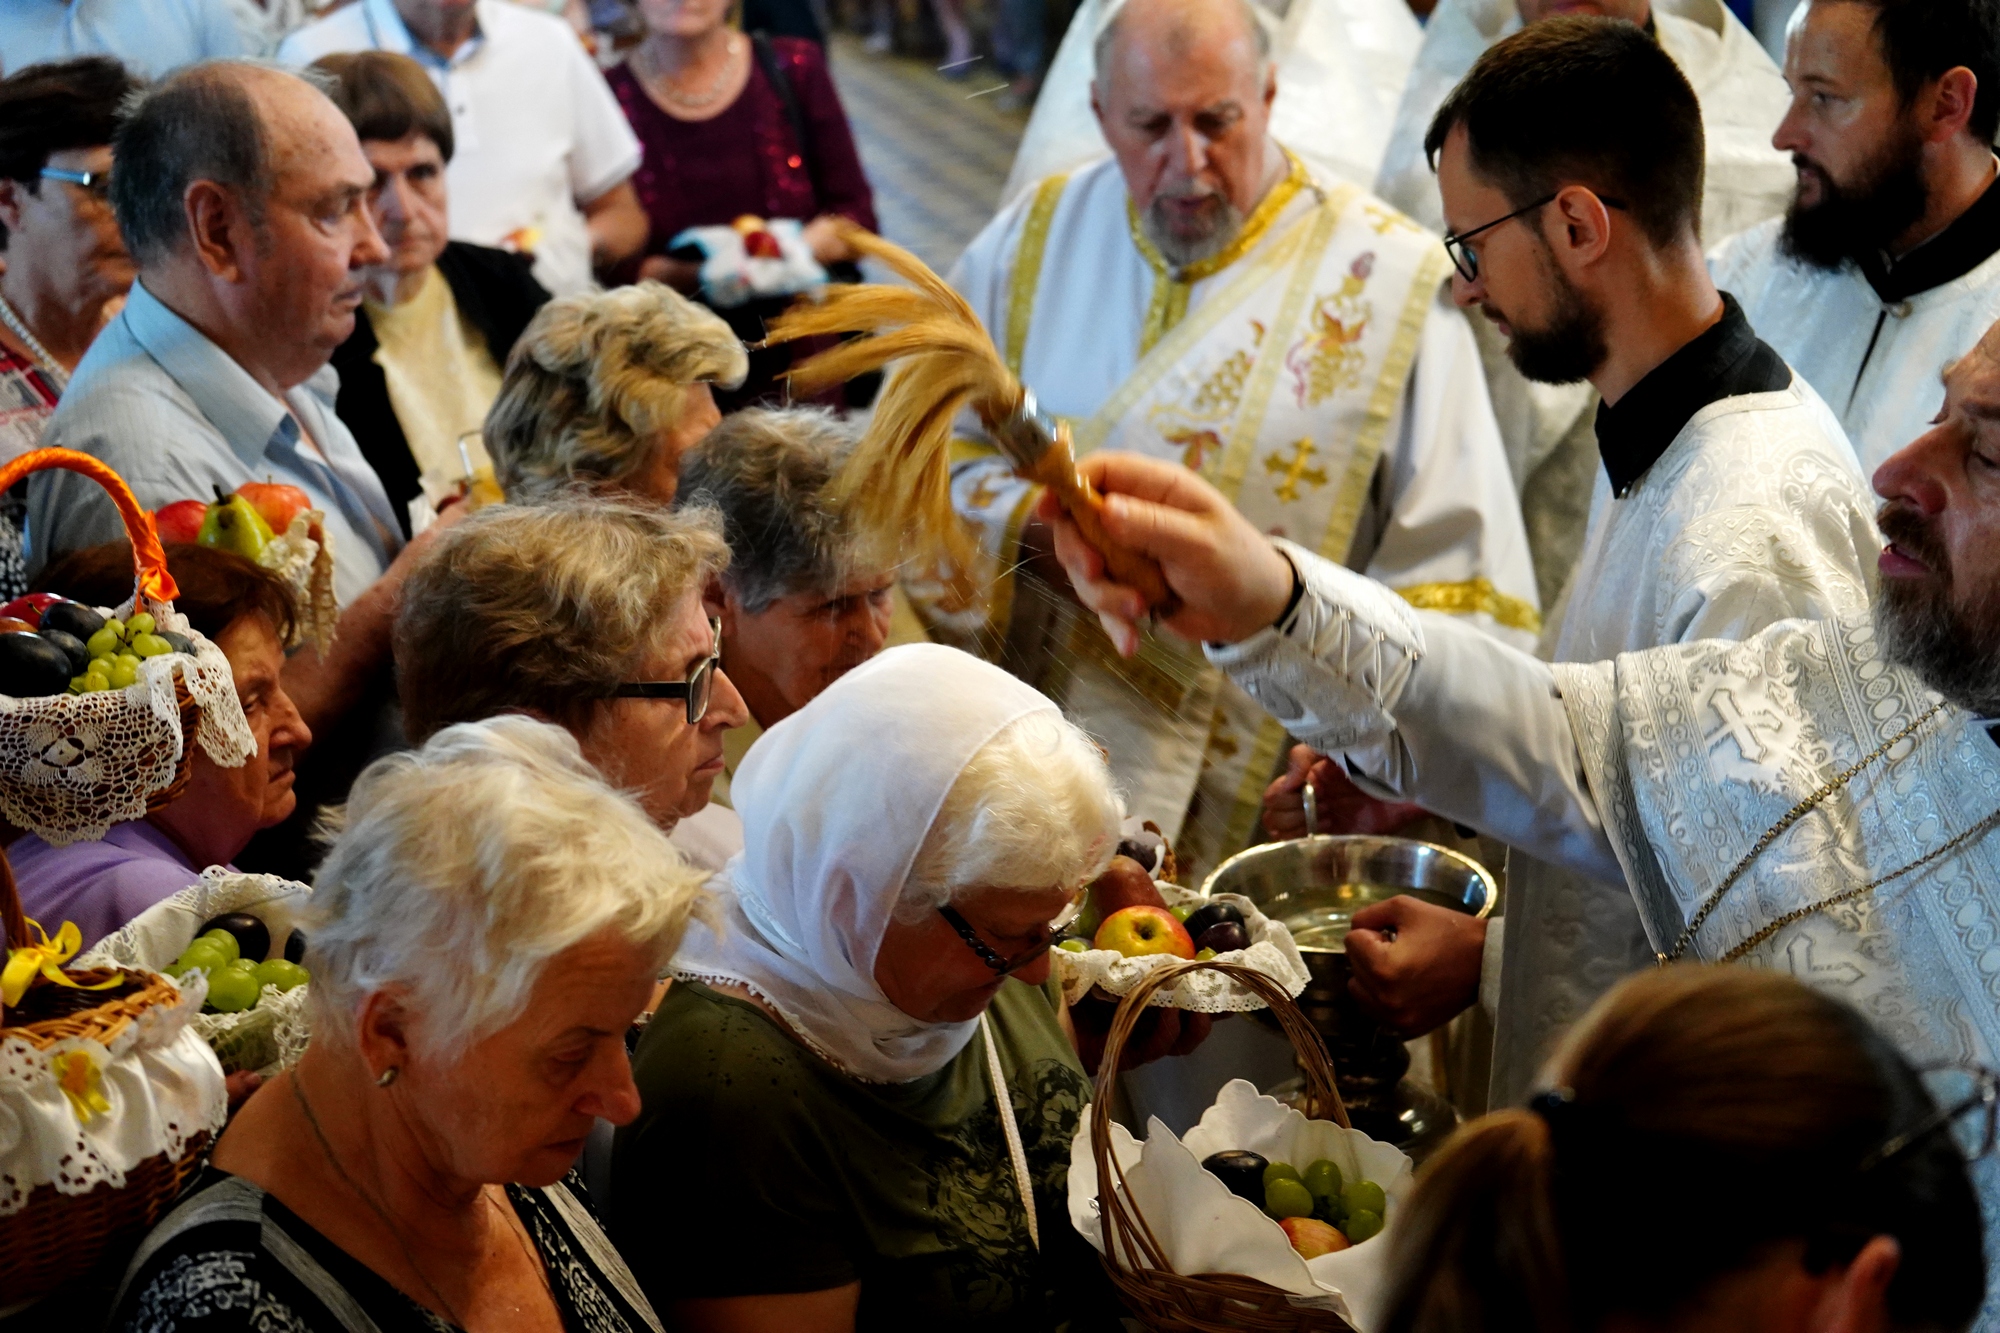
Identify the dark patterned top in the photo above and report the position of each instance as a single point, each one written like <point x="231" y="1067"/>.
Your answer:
<point x="793" y="1177"/>
<point x="229" y="1256"/>
<point x="748" y="159"/>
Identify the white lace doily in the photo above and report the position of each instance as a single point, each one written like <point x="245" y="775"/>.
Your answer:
<point x="161" y="1081"/>
<point x="302" y="555"/>
<point x="1271" y="952"/>
<point x="267" y="1038"/>
<point x="72" y="765"/>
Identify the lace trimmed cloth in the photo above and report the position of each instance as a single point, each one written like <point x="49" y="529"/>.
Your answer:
<point x="72" y="765"/>
<point x="1271" y="952"/>
<point x="267" y="1038"/>
<point x="302" y="556"/>
<point x="160" y="1086"/>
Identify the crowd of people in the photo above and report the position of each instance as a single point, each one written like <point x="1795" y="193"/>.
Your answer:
<point x="1574" y="479"/>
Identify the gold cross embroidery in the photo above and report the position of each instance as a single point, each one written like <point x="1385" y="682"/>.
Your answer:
<point x="1296" y="470"/>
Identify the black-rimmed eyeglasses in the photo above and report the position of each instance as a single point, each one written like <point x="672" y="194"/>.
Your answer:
<point x="700" y="682"/>
<point x="1968" y="1105"/>
<point x="1466" y="259"/>
<point x="992" y="958"/>
<point x="97" y="182"/>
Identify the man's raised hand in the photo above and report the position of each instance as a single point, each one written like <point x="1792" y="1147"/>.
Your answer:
<point x="1231" y="580"/>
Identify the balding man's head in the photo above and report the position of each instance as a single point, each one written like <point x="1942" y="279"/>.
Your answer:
<point x="1183" y="93"/>
<point x="241" y="190"/>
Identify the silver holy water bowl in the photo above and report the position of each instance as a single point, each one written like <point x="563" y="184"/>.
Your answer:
<point x="1315" y="885"/>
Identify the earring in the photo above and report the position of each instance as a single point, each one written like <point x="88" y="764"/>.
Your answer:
<point x="387" y="1077"/>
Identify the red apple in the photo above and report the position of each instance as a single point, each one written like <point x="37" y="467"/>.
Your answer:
<point x="180" y="521"/>
<point x="15" y="625"/>
<point x="1312" y="1237"/>
<point x="30" y="607"/>
<point x="1139" y="931"/>
<point x="277" y="502"/>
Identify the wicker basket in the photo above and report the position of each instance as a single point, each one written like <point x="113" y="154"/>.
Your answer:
<point x="58" y="1236"/>
<point x="68" y="799"/>
<point x="1160" y="1298"/>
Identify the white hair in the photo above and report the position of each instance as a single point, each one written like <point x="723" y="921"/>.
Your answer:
<point x="1034" y="809"/>
<point x="1255" y="17"/>
<point x="462" y="868"/>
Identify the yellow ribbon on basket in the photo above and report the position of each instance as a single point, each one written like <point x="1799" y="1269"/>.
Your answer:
<point x="45" y="960"/>
<point x="82" y="1082"/>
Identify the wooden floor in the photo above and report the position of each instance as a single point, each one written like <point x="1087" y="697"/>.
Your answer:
<point x="936" y="150"/>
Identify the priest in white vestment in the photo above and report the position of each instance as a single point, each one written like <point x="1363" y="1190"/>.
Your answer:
<point x="1294" y="347"/>
<point x="1546" y="426"/>
<point x="1887" y="266"/>
<point x="1822" y="797"/>
<point x="1341" y="64"/>
<point x="1727" y="498"/>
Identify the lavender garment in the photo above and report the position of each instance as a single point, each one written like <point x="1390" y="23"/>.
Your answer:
<point x="99" y="885"/>
<point x="747" y="160"/>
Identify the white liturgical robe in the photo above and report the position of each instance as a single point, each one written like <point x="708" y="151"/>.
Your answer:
<point x="1755" y="513"/>
<point x="1341" y="66"/>
<point x="1666" y="767"/>
<point x="1875" y="361"/>
<point x="1314" y="373"/>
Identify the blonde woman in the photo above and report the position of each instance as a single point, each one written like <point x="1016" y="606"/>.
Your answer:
<point x="607" y="390"/>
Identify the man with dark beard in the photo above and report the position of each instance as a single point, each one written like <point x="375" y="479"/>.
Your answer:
<point x="1822" y="798"/>
<point x="1885" y="268"/>
<point x="1727" y="499"/>
<point x="1204" y="296"/>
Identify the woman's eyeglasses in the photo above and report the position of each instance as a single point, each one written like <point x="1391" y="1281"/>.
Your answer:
<point x="1968" y="1102"/>
<point x="97" y="182"/>
<point x="1466" y="259"/>
<point x="696" y="689"/>
<point x="1001" y="965"/>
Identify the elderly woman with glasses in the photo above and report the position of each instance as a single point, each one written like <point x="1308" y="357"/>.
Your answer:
<point x="486" y="928"/>
<point x="586" y="613"/>
<point x="821" y="1146"/>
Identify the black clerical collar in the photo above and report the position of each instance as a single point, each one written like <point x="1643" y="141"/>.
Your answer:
<point x="1725" y="360"/>
<point x="1971" y="238"/>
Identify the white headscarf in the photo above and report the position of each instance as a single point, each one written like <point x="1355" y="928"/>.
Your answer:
<point x="836" y="801"/>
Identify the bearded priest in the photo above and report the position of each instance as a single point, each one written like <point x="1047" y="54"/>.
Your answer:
<point x="1821" y="798"/>
<point x="1887" y="266"/>
<point x="1204" y="297"/>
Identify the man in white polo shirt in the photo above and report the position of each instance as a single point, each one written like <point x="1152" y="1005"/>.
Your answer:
<point x="545" y="158"/>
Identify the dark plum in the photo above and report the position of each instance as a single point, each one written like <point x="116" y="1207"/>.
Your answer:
<point x="253" y="937"/>
<point x="72" y="618"/>
<point x="1241" y="1170"/>
<point x="1211" y="914"/>
<point x="79" y="656"/>
<point x="1223" y="936"/>
<point x="31" y="666"/>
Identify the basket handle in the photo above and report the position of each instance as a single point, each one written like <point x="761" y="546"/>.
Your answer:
<point x="1128" y="1240"/>
<point x="149" y="559"/>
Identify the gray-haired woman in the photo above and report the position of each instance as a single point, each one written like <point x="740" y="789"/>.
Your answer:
<point x="606" y="390"/>
<point x="489" y="923"/>
<point x="808" y="595"/>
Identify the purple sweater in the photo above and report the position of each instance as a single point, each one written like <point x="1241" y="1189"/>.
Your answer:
<point x="99" y="885"/>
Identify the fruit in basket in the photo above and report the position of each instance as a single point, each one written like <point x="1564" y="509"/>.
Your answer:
<point x="124" y="671"/>
<point x="285" y="976"/>
<point x="1362" y="1226"/>
<point x="1323" y="1178"/>
<point x="1223" y="937"/>
<point x="30" y="607"/>
<point x="180" y="643"/>
<point x="1241" y="1170"/>
<point x="71" y="618"/>
<point x="73" y="649"/>
<point x="1287" y="1196"/>
<point x="1364" y="1196"/>
<point x="1282" y="1171"/>
<point x="1124" y="884"/>
<point x="1312" y="1237"/>
<point x="277" y="503"/>
<point x="1140" y="932"/>
<point x="1208" y="915"/>
<point x="295" y="947"/>
<point x="31" y="666"/>
<point x="248" y="936"/>
<point x="204" y="954"/>
<point x="1073" y="945"/>
<point x="231" y="950"/>
<point x="150" y="645"/>
<point x="180" y="521"/>
<point x="104" y="643"/>
<point x="234" y="525"/>
<point x="231" y="990"/>
<point x="15" y="625"/>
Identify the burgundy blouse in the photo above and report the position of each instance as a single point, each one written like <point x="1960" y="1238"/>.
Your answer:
<point x="696" y="173"/>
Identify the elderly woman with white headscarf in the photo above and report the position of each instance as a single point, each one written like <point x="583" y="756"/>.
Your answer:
<point x="483" y="933"/>
<point x="820" y="1146"/>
